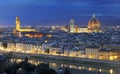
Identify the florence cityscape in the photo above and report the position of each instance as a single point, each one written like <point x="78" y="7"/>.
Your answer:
<point x="60" y="37"/>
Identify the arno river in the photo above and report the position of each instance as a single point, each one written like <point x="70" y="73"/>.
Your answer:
<point x="77" y="68"/>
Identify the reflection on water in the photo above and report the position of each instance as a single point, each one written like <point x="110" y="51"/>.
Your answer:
<point x="80" y="67"/>
<point x="111" y="71"/>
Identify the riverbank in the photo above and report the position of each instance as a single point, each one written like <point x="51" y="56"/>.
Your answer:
<point x="65" y="59"/>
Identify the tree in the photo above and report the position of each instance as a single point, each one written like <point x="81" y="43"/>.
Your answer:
<point x="26" y="59"/>
<point x="44" y="69"/>
<point x="66" y="71"/>
<point x="4" y="44"/>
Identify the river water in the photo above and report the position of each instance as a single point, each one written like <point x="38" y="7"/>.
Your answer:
<point x="76" y="68"/>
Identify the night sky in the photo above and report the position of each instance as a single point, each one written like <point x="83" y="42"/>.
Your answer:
<point x="59" y="12"/>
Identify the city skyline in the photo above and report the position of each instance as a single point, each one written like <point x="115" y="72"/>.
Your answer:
<point x="59" y="36"/>
<point x="59" y="12"/>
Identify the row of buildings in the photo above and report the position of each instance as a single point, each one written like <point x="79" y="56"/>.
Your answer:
<point x="91" y="52"/>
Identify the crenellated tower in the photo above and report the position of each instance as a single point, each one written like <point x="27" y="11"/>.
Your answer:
<point x="17" y="23"/>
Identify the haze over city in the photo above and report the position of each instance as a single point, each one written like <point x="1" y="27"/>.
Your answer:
<point x="58" y="12"/>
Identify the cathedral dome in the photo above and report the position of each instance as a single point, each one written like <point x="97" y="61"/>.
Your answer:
<point x="94" y="23"/>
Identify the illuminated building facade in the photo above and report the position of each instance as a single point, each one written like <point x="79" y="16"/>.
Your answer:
<point x="92" y="52"/>
<point x="76" y="29"/>
<point x="17" y="23"/>
<point x="19" y="29"/>
<point x="109" y="54"/>
<point x="93" y="26"/>
<point x="28" y="32"/>
<point x="37" y="35"/>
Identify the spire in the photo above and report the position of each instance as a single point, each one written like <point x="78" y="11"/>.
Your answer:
<point x="94" y="15"/>
<point x="17" y="17"/>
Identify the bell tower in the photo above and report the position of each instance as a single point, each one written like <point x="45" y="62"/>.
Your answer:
<point x="17" y="23"/>
<point x="72" y="26"/>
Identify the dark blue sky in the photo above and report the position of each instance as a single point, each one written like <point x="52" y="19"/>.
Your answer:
<point x="52" y="12"/>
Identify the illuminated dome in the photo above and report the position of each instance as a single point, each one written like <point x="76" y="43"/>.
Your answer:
<point x="94" y="24"/>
